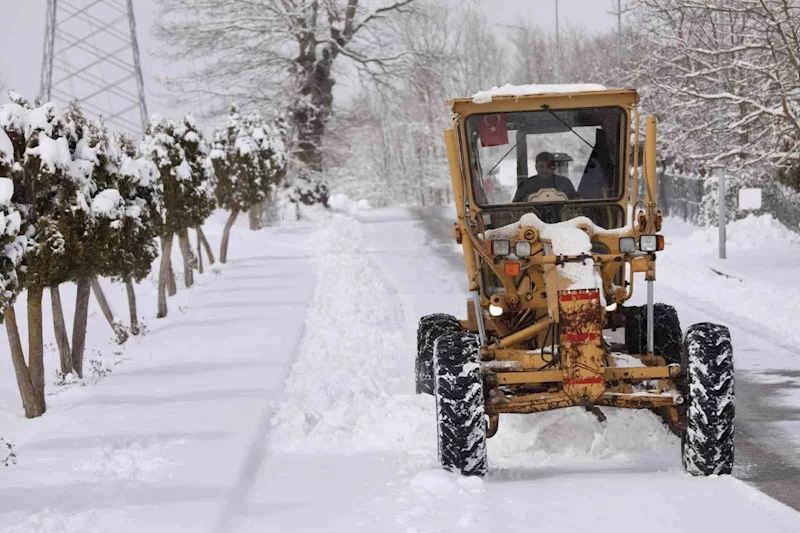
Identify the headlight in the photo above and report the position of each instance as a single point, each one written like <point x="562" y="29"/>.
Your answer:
<point x="648" y="243"/>
<point x="522" y="249"/>
<point x="495" y="310"/>
<point x="627" y="245"/>
<point x="501" y="247"/>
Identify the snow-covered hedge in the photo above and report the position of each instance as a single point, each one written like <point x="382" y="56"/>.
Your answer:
<point x="776" y="200"/>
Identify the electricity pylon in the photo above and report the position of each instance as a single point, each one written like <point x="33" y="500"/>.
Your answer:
<point x="91" y="55"/>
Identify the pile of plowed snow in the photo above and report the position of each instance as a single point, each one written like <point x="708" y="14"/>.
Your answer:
<point x="351" y="388"/>
<point x="748" y="233"/>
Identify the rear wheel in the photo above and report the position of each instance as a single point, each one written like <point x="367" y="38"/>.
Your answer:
<point x="707" y="444"/>
<point x="430" y="328"/>
<point x="460" y="404"/>
<point x="666" y="332"/>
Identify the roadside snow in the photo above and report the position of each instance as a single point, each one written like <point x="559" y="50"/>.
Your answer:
<point x="343" y="393"/>
<point x="749" y="233"/>
<point x="484" y="97"/>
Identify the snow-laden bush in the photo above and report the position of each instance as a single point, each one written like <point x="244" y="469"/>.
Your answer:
<point x="74" y="214"/>
<point x="249" y="158"/>
<point x="186" y="179"/>
<point x="13" y="242"/>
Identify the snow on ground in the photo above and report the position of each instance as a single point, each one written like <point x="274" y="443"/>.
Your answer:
<point x="159" y="443"/>
<point x="278" y="396"/>
<point x="756" y="289"/>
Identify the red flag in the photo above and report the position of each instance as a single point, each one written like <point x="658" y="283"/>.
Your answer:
<point x="493" y="130"/>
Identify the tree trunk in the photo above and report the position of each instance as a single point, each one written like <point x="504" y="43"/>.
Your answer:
<point x="256" y="216"/>
<point x="310" y="113"/>
<point x="163" y="275"/>
<point x="115" y="324"/>
<point x="188" y="257"/>
<point x="129" y="288"/>
<point x="36" y="342"/>
<point x="30" y="401"/>
<point x="199" y="255"/>
<point x="202" y="236"/>
<point x="223" y="249"/>
<point x="79" y="324"/>
<point x="172" y="288"/>
<point x="60" y="328"/>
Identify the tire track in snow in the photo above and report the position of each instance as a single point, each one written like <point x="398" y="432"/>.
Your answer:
<point x="258" y="449"/>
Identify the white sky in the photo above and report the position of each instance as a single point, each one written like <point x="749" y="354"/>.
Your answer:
<point x="23" y="34"/>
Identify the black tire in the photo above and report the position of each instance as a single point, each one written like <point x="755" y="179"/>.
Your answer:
<point x="666" y="330"/>
<point x="460" y="408"/>
<point x="430" y="328"/>
<point x="707" y="444"/>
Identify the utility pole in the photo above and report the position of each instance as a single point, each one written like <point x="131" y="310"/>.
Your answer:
<point x="558" y="49"/>
<point x="91" y="56"/>
<point x="619" y="33"/>
<point x="723" y="217"/>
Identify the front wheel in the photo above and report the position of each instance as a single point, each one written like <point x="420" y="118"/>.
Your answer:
<point x="430" y="328"/>
<point x="460" y="412"/>
<point x="707" y="444"/>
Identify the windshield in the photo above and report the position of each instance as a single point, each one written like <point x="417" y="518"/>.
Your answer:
<point x="546" y="157"/>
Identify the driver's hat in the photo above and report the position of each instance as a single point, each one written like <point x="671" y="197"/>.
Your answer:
<point x="545" y="156"/>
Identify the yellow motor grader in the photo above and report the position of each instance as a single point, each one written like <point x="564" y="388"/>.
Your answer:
<point x="555" y="232"/>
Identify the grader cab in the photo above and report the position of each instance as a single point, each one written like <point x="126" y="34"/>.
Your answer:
<point x="555" y="235"/>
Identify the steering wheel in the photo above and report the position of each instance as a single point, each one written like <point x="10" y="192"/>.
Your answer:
<point x="547" y="213"/>
<point x="547" y="196"/>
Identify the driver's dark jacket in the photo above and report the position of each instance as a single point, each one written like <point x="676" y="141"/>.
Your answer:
<point x="533" y="184"/>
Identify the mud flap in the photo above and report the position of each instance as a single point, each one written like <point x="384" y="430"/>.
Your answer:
<point x="581" y="348"/>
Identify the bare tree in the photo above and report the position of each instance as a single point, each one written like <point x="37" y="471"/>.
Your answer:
<point x="732" y="71"/>
<point x="267" y="53"/>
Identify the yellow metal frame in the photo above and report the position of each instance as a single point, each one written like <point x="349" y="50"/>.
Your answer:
<point x="585" y="374"/>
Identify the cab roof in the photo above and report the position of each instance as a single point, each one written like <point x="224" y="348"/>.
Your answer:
<point x="534" y="97"/>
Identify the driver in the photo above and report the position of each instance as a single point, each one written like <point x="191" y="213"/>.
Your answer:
<point x="545" y="178"/>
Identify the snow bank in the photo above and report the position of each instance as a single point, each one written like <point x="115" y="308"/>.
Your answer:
<point x="342" y="203"/>
<point x="748" y="233"/>
<point x="345" y="392"/>
<point x="484" y="97"/>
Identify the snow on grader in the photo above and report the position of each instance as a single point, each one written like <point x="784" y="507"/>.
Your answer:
<point x="554" y="232"/>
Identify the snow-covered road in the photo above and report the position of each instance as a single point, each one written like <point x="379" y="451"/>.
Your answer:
<point x="279" y="397"/>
